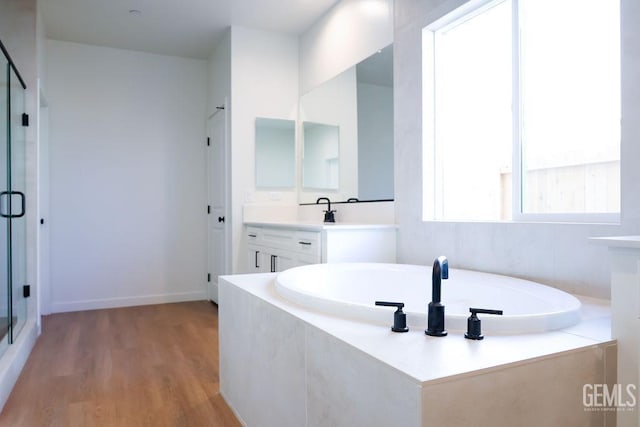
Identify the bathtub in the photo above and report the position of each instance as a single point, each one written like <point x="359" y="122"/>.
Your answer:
<point x="351" y="290"/>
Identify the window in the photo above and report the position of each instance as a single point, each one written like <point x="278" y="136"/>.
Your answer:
<point x="521" y="105"/>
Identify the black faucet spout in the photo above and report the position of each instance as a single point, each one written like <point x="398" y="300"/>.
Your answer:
<point x="440" y="271"/>
<point x="435" y="316"/>
<point x="320" y="199"/>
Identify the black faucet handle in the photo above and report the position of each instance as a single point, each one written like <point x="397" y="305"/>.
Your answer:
<point x="398" y="305"/>
<point x="399" y="317"/>
<point x="474" y="325"/>
<point x="484" y="311"/>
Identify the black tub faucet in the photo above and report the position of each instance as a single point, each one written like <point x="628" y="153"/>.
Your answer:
<point x="328" y="214"/>
<point x="435" y="317"/>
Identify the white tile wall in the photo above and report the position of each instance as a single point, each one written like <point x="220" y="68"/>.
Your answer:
<point x="556" y="254"/>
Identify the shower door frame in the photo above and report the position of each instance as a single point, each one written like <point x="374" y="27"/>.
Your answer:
<point x="11" y="74"/>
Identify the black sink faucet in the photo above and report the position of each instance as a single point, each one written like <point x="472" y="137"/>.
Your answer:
<point x="328" y="214"/>
<point x="435" y="317"/>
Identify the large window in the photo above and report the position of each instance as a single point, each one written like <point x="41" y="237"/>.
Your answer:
<point x="522" y="111"/>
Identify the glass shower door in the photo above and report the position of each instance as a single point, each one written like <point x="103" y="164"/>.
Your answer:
<point x="18" y="221"/>
<point x="4" y="222"/>
<point x="13" y="227"/>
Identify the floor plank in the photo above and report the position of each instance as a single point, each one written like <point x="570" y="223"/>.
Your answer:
<point x="153" y="365"/>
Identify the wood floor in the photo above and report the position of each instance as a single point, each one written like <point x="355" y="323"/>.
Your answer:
<point x="138" y="366"/>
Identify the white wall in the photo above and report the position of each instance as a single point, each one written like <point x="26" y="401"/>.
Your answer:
<point x="128" y="181"/>
<point x="350" y="32"/>
<point x="219" y="74"/>
<point x="557" y="254"/>
<point x="264" y="83"/>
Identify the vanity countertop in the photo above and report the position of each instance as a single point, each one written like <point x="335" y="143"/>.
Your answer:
<point x="318" y="226"/>
<point x="618" y="241"/>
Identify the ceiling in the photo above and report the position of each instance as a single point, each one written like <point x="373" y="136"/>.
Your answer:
<point x="188" y="28"/>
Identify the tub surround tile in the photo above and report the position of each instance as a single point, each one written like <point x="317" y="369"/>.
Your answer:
<point x="518" y="394"/>
<point x="234" y="379"/>
<point x="595" y="319"/>
<point x="272" y="353"/>
<point x="278" y="359"/>
<point x="351" y="368"/>
<point x="426" y="358"/>
<point x="632" y="242"/>
<point x="346" y="387"/>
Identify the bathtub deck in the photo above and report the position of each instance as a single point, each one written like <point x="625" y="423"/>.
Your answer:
<point x="261" y="329"/>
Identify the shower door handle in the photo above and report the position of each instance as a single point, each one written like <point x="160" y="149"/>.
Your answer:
<point x="3" y="204"/>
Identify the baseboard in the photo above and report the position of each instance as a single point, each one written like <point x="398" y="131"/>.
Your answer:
<point x="14" y="359"/>
<point x="237" y="415"/>
<point x="96" y="304"/>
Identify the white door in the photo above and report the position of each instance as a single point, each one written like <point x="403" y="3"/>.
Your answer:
<point x="218" y="222"/>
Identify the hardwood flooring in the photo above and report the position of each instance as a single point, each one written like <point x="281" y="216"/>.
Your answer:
<point x="137" y="366"/>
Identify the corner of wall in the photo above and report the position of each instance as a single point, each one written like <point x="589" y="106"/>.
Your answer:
<point x="327" y="49"/>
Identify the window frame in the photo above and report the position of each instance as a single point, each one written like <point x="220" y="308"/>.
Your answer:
<point x="429" y="147"/>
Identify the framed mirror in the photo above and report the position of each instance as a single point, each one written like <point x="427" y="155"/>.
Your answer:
<point x="359" y="102"/>
<point x="275" y="153"/>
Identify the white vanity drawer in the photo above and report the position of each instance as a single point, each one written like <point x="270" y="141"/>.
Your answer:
<point x="253" y="235"/>
<point x="279" y="239"/>
<point x="308" y="242"/>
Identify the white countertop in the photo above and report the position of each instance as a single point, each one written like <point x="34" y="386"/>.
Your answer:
<point x="431" y="359"/>
<point x="318" y="226"/>
<point x="618" y="241"/>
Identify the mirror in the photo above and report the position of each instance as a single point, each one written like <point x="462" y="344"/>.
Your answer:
<point x="275" y="150"/>
<point x="320" y="156"/>
<point x="358" y="104"/>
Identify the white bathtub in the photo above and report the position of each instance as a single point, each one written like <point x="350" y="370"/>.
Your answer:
<point x="351" y="290"/>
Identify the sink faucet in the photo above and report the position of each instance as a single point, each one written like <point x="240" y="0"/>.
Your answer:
<point x="328" y="214"/>
<point x="435" y="318"/>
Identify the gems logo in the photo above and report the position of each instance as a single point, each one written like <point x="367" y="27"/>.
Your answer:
<point x="602" y="397"/>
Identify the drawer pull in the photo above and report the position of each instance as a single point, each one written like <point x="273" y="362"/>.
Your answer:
<point x="305" y="243"/>
<point x="253" y="235"/>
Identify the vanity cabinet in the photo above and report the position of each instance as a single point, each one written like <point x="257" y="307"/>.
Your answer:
<point x="624" y="255"/>
<point x="278" y="247"/>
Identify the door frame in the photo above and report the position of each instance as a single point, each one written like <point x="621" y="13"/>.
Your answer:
<point x="225" y="110"/>
<point x="43" y="259"/>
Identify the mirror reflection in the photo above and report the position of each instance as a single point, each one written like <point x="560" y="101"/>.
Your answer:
<point x="321" y="153"/>
<point x="275" y="149"/>
<point x="359" y="102"/>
